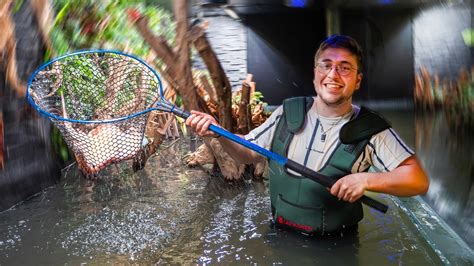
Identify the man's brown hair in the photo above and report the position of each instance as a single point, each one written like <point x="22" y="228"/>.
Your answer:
<point x="344" y="42"/>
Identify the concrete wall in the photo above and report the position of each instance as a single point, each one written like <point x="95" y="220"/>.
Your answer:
<point x="385" y="35"/>
<point x="276" y="47"/>
<point x="437" y="38"/>
<point x="229" y="41"/>
<point x="281" y="51"/>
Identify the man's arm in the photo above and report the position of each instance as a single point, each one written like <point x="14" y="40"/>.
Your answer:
<point x="408" y="179"/>
<point x="200" y="122"/>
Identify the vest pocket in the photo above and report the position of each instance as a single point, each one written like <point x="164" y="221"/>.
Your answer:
<point x="302" y="218"/>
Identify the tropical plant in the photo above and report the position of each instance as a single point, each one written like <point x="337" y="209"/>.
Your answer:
<point x="90" y="24"/>
<point x="455" y="98"/>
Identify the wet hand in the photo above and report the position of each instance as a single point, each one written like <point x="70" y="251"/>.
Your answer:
<point x="350" y="187"/>
<point x="200" y="123"/>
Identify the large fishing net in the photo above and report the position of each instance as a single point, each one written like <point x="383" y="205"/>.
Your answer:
<point x="99" y="101"/>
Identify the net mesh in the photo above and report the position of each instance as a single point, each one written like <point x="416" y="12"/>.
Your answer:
<point x="99" y="93"/>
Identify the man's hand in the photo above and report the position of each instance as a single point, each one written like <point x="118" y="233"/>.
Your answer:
<point x="200" y="123"/>
<point x="350" y="187"/>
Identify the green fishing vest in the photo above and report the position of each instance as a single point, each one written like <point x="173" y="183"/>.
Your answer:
<point x="301" y="203"/>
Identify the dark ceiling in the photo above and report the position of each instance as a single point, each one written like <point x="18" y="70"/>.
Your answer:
<point x="270" y="6"/>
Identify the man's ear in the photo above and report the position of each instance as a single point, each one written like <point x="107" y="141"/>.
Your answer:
<point x="314" y="76"/>
<point x="359" y="80"/>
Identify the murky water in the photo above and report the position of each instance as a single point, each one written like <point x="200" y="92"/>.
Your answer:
<point x="447" y="156"/>
<point x="171" y="214"/>
<point x="449" y="159"/>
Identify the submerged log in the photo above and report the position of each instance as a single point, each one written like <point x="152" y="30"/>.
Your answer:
<point x="202" y="156"/>
<point x="212" y="151"/>
<point x="230" y="169"/>
<point x="160" y="125"/>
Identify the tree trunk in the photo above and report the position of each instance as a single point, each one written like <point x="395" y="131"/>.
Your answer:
<point x="219" y="78"/>
<point x="177" y="66"/>
<point x="178" y="71"/>
<point x="208" y="88"/>
<point x="244" y="118"/>
<point x="186" y="89"/>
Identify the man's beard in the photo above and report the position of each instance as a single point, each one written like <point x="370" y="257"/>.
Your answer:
<point x="342" y="99"/>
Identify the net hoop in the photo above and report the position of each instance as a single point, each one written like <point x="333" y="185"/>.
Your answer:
<point x="53" y="116"/>
<point x="108" y="95"/>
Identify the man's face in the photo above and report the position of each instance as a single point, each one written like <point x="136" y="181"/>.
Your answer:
<point x="332" y="87"/>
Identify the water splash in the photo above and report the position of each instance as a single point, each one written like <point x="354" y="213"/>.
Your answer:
<point x="129" y="232"/>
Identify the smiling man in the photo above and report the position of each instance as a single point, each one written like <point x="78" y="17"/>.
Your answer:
<point x="328" y="134"/>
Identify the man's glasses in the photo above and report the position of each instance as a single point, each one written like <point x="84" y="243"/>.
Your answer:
<point x="343" y="69"/>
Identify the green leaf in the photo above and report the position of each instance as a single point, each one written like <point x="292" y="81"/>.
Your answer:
<point x="17" y="6"/>
<point x="468" y="36"/>
<point x="61" y="14"/>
